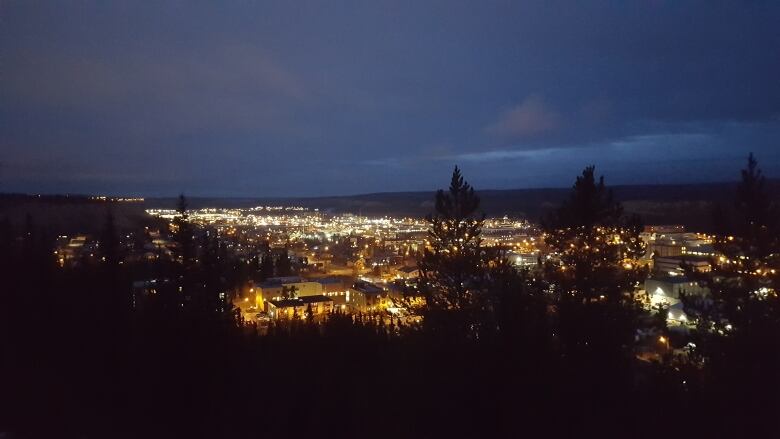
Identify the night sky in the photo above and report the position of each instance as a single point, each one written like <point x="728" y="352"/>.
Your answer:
<point x="248" y="98"/>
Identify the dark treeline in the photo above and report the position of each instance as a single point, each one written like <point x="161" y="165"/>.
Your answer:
<point x="69" y="214"/>
<point x="500" y="352"/>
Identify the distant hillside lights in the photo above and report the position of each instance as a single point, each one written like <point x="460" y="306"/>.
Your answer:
<point x="249" y="216"/>
<point x="272" y="208"/>
<point x="117" y="199"/>
<point x="301" y="223"/>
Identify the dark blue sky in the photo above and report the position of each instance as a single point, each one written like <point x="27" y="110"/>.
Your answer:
<point x="282" y="98"/>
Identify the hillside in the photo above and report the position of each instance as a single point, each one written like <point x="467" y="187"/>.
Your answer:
<point x="688" y="204"/>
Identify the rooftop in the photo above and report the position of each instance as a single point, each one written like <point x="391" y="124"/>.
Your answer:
<point x="367" y="288"/>
<point x="671" y="279"/>
<point x="683" y="258"/>
<point x="300" y="301"/>
<point x="326" y="280"/>
<point x="279" y="281"/>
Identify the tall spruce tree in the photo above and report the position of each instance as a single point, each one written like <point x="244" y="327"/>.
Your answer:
<point x="266" y="266"/>
<point x="183" y="234"/>
<point x="595" y="245"/>
<point x="6" y="244"/>
<point x="283" y="265"/>
<point x="593" y="271"/>
<point x="109" y="241"/>
<point x="206" y="297"/>
<point x="309" y="313"/>
<point x="453" y="267"/>
<point x="185" y="281"/>
<point x="738" y="324"/>
<point x="116" y="292"/>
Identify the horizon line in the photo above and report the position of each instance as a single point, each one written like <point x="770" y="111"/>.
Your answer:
<point x="145" y="197"/>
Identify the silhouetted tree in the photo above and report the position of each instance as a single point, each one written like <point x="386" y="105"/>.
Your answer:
<point x="185" y="251"/>
<point x="183" y="234"/>
<point x="593" y="272"/>
<point x="521" y="308"/>
<point x="266" y="267"/>
<point x="738" y="324"/>
<point x="595" y="246"/>
<point x="309" y="314"/>
<point x="289" y="292"/>
<point x="6" y="245"/>
<point x="453" y="268"/>
<point x="115" y="290"/>
<point x="283" y="265"/>
<point x="109" y="241"/>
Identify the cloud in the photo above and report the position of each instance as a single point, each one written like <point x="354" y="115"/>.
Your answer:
<point x="491" y="156"/>
<point x="281" y="98"/>
<point x="645" y="145"/>
<point x="223" y="85"/>
<point x="653" y="142"/>
<point x="530" y="118"/>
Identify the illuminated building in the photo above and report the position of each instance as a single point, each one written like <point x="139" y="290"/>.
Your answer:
<point x="407" y="272"/>
<point x="523" y="259"/>
<point x="297" y="307"/>
<point x="73" y="250"/>
<point x="667" y="289"/>
<point x="334" y="287"/>
<point x="672" y="265"/>
<point x="665" y="229"/>
<point x="366" y="296"/>
<point x="277" y="288"/>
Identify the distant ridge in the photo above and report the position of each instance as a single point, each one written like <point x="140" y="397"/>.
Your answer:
<point x="688" y="204"/>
